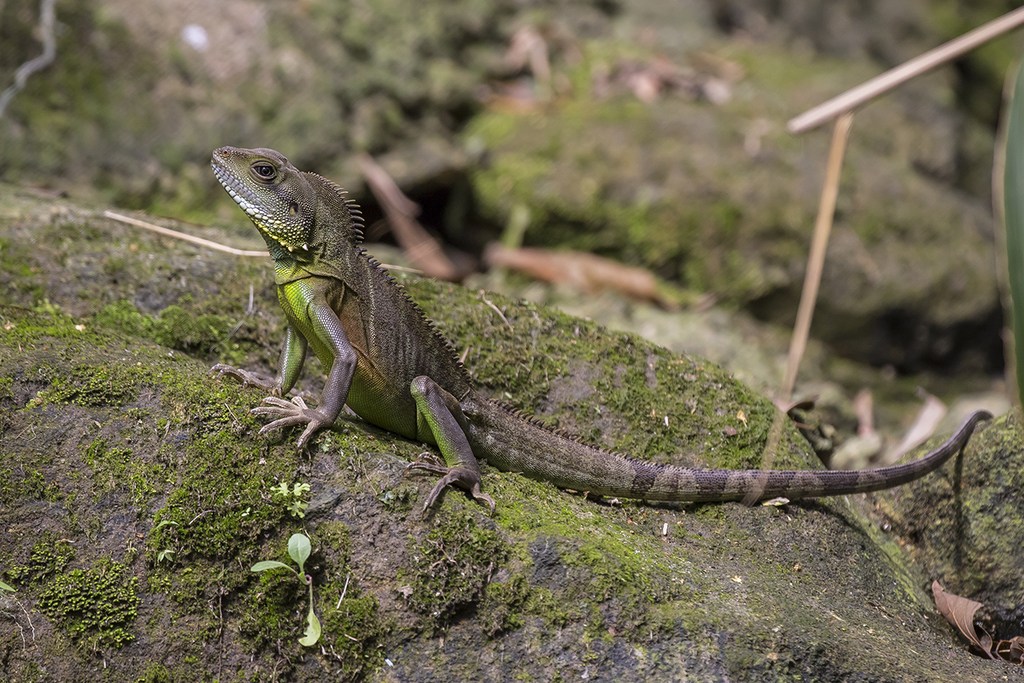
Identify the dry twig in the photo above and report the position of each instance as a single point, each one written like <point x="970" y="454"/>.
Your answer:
<point x="47" y="17"/>
<point x="422" y="249"/>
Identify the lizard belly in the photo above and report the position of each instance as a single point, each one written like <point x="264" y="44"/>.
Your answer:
<point x="371" y="395"/>
<point x="381" y="403"/>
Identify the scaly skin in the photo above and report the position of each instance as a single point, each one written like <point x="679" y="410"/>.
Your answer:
<point x="390" y="365"/>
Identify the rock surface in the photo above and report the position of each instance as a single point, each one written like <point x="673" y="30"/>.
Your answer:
<point x="135" y="497"/>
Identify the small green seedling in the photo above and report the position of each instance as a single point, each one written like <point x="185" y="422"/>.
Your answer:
<point x="4" y="586"/>
<point x="296" y="507"/>
<point x="299" y="550"/>
<point x="166" y="554"/>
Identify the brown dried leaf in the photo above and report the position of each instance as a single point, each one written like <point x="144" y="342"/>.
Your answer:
<point x="720" y="67"/>
<point x="583" y="271"/>
<point x="528" y="47"/>
<point x="864" y="409"/>
<point x="1011" y="650"/>
<point x="645" y="85"/>
<point x="801" y="404"/>
<point x="960" y="612"/>
<point x="925" y="422"/>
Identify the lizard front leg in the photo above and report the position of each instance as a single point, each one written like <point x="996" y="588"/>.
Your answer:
<point x="293" y="354"/>
<point x="439" y="412"/>
<point x="328" y="329"/>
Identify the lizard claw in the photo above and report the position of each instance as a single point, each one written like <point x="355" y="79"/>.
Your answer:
<point x="245" y="377"/>
<point x="280" y="406"/>
<point x="464" y="478"/>
<point x="289" y="413"/>
<point x="429" y="462"/>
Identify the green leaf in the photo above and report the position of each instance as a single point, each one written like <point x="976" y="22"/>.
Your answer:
<point x="269" y="564"/>
<point x="312" y="626"/>
<point x="164" y="523"/>
<point x="299" y="550"/>
<point x="297" y="509"/>
<point x="1013" y="197"/>
<point x="4" y="586"/>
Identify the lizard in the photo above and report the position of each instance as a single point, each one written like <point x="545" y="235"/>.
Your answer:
<point x="395" y="370"/>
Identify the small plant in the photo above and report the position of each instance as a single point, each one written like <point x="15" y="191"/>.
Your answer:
<point x="4" y="586"/>
<point x="166" y="554"/>
<point x="292" y="497"/>
<point x="299" y="550"/>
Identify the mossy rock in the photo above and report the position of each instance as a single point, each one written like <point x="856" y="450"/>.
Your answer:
<point x="128" y="449"/>
<point x="965" y="527"/>
<point x="721" y="198"/>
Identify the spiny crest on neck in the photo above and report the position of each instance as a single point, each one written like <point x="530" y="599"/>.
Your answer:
<point x="382" y="272"/>
<point x="340" y="211"/>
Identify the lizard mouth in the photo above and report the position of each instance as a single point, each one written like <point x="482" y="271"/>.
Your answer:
<point x="244" y="197"/>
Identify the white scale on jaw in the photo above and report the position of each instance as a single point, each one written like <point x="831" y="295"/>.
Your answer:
<point x="251" y="209"/>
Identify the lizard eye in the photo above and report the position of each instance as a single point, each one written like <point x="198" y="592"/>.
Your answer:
<point x="264" y="170"/>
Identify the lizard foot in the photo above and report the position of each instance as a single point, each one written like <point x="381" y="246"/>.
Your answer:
<point x="463" y="477"/>
<point x="289" y="413"/>
<point x="245" y="377"/>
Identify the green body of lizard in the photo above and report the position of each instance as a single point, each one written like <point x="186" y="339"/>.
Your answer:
<point x="390" y="365"/>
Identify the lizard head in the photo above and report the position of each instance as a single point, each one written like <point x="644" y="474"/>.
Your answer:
<point x="285" y="203"/>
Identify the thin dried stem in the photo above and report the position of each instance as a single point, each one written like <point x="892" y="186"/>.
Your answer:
<point x="181" y="236"/>
<point x="855" y="97"/>
<point x="816" y="260"/>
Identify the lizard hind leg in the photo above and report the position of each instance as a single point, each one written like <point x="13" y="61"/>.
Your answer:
<point x="438" y="413"/>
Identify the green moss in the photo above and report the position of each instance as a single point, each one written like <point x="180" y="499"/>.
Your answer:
<point x="337" y="537"/>
<point x="88" y="385"/>
<point x="14" y="259"/>
<point x="96" y="607"/>
<point x="220" y="505"/>
<point x="504" y="605"/>
<point x="117" y="469"/>
<point x="113" y="460"/>
<point x="32" y="328"/>
<point x="49" y="556"/>
<point x="175" y="326"/>
<point x="354" y="630"/>
<point x="610" y="572"/>
<point x="155" y="673"/>
<point x="452" y="566"/>
<point x="22" y="484"/>
<point x="273" y="609"/>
